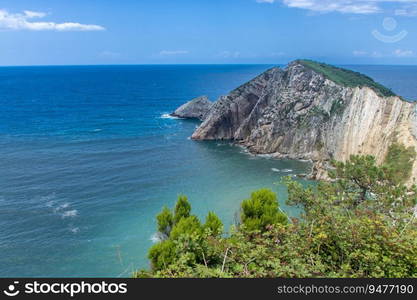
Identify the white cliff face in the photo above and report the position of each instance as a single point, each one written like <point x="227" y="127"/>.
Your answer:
<point x="298" y="113"/>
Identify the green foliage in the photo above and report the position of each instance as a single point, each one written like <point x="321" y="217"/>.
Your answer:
<point x="162" y="254"/>
<point x="184" y="238"/>
<point x="337" y="107"/>
<point x="213" y="224"/>
<point x="358" y="177"/>
<point x="317" y="111"/>
<point x="362" y="223"/>
<point x="261" y="210"/>
<point x="182" y="208"/>
<point x="165" y="221"/>
<point x="347" y="77"/>
<point x="186" y="226"/>
<point x="306" y="121"/>
<point x="399" y="162"/>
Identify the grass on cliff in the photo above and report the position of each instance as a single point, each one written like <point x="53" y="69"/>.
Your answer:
<point x="347" y="77"/>
<point x="399" y="161"/>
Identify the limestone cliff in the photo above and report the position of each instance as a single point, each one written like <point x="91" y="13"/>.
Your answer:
<point x="300" y="113"/>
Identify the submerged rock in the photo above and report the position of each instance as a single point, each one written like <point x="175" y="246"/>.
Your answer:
<point x="197" y="108"/>
<point x="302" y="113"/>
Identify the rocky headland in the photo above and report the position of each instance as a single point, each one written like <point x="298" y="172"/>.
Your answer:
<point x="311" y="111"/>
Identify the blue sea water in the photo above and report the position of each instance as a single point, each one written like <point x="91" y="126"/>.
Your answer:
<point x="88" y="157"/>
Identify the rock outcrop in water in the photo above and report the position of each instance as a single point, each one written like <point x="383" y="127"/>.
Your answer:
<point x="300" y="113"/>
<point x="197" y="108"/>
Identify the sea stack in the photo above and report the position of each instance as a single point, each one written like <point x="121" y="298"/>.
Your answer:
<point x="197" y="108"/>
<point x="313" y="111"/>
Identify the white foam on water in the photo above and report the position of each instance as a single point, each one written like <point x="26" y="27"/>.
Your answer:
<point x="287" y="170"/>
<point x="74" y="229"/>
<point x="69" y="213"/>
<point x="65" y="205"/>
<point x="156" y="237"/>
<point x="168" y="116"/>
<point x="275" y="170"/>
<point x="48" y="198"/>
<point x="61" y="207"/>
<point x="50" y="203"/>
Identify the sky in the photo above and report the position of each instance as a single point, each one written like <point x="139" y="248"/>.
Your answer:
<point x="78" y="32"/>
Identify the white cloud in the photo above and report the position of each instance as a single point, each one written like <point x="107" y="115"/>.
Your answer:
<point x="34" y="14"/>
<point x="277" y="54"/>
<point x="399" y="53"/>
<point x="229" y="54"/>
<point x="405" y="7"/>
<point x="109" y="54"/>
<point x="403" y="53"/>
<point x="407" y="11"/>
<point x="173" y="52"/>
<point x="376" y="54"/>
<point x="360" y="53"/>
<point x="23" y="21"/>
<point x="342" y="6"/>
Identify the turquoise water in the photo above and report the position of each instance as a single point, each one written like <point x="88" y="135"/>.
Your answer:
<point x="87" y="159"/>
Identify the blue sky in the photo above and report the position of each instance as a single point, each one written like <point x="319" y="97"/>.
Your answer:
<point x="50" y="32"/>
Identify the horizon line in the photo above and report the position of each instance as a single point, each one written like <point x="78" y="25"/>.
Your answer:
<point x="192" y="64"/>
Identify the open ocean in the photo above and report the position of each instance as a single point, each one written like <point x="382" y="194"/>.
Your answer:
<point x="88" y="157"/>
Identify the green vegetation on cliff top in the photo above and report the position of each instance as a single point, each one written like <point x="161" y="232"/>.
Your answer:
<point x="347" y="77"/>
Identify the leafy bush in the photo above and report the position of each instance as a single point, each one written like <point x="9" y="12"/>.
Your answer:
<point x="182" y="234"/>
<point x="261" y="210"/>
<point x="360" y="224"/>
<point x="182" y="209"/>
<point x="213" y="224"/>
<point x="165" y="221"/>
<point x="162" y="254"/>
<point x="186" y="226"/>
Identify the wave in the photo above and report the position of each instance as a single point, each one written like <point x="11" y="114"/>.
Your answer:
<point x="266" y="156"/>
<point x="283" y="170"/>
<point x="69" y="213"/>
<point x="169" y="116"/>
<point x="74" y="229"/>
<point x="60" y="209"/>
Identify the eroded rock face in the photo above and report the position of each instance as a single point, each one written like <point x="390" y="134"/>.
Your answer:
<point x="298" y="113"/>
<point x="197" y="108"/>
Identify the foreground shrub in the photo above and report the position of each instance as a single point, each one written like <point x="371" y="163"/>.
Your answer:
<point x="261" y="210"/>
<point x="361" y="224"/>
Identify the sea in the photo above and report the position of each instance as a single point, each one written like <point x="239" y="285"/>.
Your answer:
<point x="89" y="155"/>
